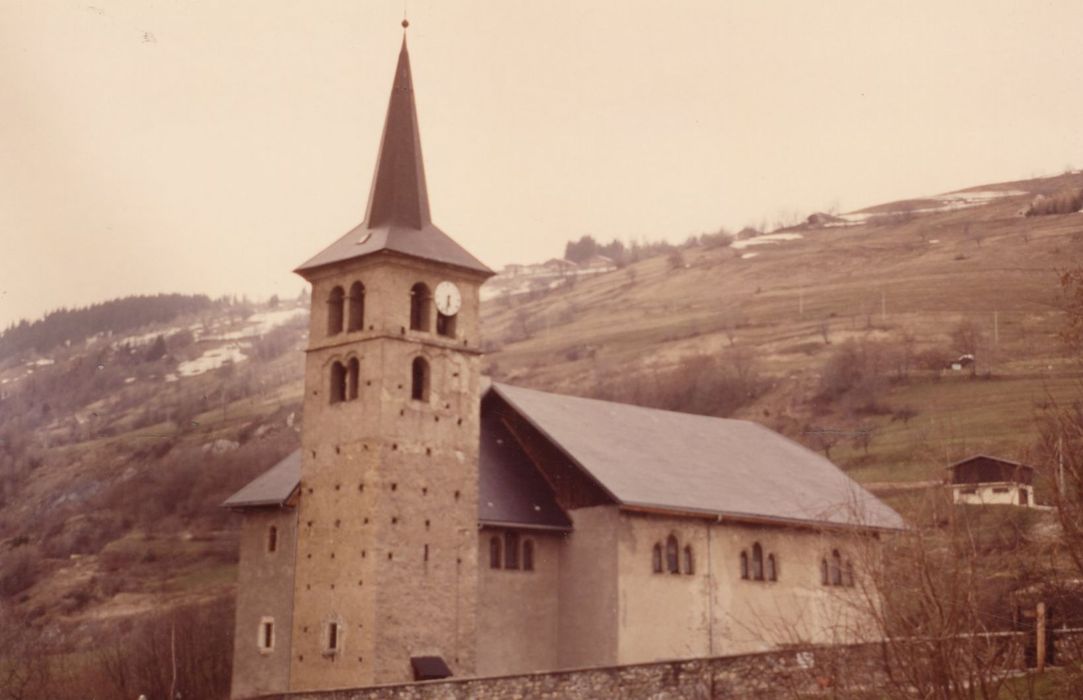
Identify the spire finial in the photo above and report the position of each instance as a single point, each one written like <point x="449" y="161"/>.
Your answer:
<point x="405" y="23"/>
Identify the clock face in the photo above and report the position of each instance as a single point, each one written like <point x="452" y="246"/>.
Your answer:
<point x="448" y="298"/>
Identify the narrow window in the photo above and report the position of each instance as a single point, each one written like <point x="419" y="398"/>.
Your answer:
<point x="528" y="555"/>
<point x="353" y="373"/>
<point x="494" y="552"/>
<point x="672" y="564"/>
<point x="334" y="311"/>
<point x="744" y="565"/>
<point x="356" y="320"/>
<point x="332" y="637"/>
<point x="825" y="578"/>
<point x="656" y="558"/>
<point x="445" y="325"/>
<point x="757" y="562"/>
<point x="511" y="550"/>
<point x="420" y="301"/>
<point x="338" y="382"/>
<point x="836" y="568"/>
<point x="419" y="383"/>
<point x="772" y="571"/>
<point x="689" y="565"/>
<point x="272" y="539"/>
<point x="848" y="574"/>
<point x="266" y="635"/>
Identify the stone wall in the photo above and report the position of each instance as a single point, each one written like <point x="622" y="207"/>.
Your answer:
<point x="763" y="676"/>
<point x="827" y="671"/>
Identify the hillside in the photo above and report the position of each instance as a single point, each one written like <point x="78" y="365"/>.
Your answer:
<point x="895" y="289"/>
<point x="115" y="453"/>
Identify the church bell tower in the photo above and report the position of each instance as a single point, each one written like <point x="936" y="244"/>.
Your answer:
<point x="386" y="567"/>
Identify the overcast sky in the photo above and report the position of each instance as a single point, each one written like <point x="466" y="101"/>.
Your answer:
<point x="213" y="145"/>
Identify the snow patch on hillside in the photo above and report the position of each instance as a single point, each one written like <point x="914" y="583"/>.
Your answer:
<point x="765" y="240"/>
<point x="209" y="360"/>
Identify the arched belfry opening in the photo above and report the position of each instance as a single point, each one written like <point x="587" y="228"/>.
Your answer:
<point x="334" y="311"/>
<point x="356" y="316"/>
<point x="420" y="307"/>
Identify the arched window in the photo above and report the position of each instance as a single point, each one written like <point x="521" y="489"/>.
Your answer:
<point x="757" y="562"/>
<point x="656" y="558"/>
<point x="353" y="373"/>
<point x="744" y="565"/>
<point x="825" y="577"/>
<point x="672" y="564"/>
<point x="356" y="319"/>
<point x="272" y="539"/>
<point x="419" y="380"/>
<point x="848" y="574"/>
<point x="494" y="552"/>
<point x="528" y="555"/>
<point x="338" y="382"/>
<point x="689" y="564"/>
<point x="771" y="566"/>
<point x="511" y="550"/>
<point x="836" y="568"/>
<point x="420" y="303"/>
<point x="334" y="311"/>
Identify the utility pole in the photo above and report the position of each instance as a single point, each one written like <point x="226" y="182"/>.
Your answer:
<point x="996" y="328"/>
<point x="883" y="305"/>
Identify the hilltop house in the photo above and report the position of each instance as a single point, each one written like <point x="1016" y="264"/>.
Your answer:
<point x="985" y="480"/>
<point x="432" y="525"/>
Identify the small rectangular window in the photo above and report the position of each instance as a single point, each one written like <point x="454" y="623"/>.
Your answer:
<point x="266" y="639"/>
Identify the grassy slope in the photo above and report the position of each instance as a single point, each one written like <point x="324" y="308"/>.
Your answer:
<point x="984" y="261"/>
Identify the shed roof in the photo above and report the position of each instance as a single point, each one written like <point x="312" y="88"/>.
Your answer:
<point x="271" y="488"/>
<point x="676" y="461"/>
<point x="511" y="491"/>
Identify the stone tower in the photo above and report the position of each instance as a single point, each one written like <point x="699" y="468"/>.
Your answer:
<point x="387" y="524"/>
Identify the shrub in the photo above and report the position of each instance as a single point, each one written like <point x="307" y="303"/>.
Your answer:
<point x="1063" y="202"/>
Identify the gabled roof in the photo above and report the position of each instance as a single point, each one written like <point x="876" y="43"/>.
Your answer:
<point x="696" y="464"/>
<point x="397" y="218"/>
<point x="980" y="455"/>
<point x="271" y="488"/>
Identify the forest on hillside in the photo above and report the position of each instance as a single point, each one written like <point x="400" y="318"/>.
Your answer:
<point x="116" y="316"/>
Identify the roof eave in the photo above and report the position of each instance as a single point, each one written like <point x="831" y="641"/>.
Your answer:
<point x="754" y="519"/>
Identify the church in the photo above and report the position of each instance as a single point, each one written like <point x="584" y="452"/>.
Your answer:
<point x="435" y="524"/>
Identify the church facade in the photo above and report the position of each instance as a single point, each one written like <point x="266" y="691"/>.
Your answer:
<point x="432" y="523"/>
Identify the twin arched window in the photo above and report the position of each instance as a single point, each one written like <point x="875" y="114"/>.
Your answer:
<point x="836" y="572"/>
<point x="669" y="559"/>
<point x="337" y="309"/>
<point x="757" y="567"/>
<point x="504" y="552"/>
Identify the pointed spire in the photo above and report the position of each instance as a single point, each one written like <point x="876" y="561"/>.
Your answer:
<point x="399" y="196"/>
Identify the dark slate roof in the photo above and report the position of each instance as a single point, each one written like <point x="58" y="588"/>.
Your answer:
<point x="511" y="490"/>
<point x="271" y="488"/>
<point x="398" y="218"/>
<point x="675" y="461"/>
<point x="971" y="458"/>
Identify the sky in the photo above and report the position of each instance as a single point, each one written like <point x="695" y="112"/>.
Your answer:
<point x="210" y="146"/>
